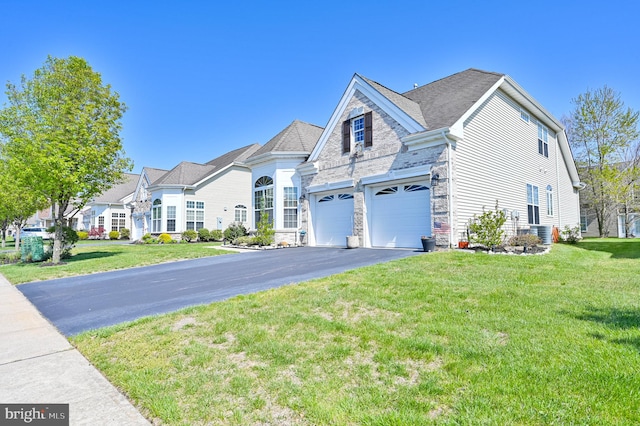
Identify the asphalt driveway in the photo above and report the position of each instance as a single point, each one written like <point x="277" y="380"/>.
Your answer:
<point x="83" y="303"/>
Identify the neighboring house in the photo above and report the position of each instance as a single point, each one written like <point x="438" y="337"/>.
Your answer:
<point x="141" y="202"/>
<point x="110" y="210"/>
<point x="275" y="183"/>
<point x="391" y="167"/>
<point x="195" y="196"/>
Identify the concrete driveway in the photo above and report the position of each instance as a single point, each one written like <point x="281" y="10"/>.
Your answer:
<point x="83" y="303"/>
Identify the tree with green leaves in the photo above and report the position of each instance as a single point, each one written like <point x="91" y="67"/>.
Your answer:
<point x="17" y="203"/>
<point x="601" y="132"/>
<point x="61" y="137"/>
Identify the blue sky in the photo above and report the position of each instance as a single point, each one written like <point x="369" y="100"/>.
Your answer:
<point x="201" y="77"/>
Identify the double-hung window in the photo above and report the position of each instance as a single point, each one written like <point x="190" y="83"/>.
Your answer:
<point x="171" y="218"/>
<point x="543" y="140"/>
<point x="533" y="205"/>
<point x="195" y="215"/>
<point x="358" y="130"/>
<point x="290" y="207"/>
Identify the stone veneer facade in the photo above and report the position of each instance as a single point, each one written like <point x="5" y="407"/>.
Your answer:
<point x="388" y="154"/>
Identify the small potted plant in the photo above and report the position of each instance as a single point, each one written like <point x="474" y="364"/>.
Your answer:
<point x="428" y="243"/>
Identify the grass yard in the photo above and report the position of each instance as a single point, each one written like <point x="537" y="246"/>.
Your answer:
<point x="445" y="338"/>
<point x="105" y="256"/>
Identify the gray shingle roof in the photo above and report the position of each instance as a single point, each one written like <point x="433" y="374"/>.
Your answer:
<point x="187" y="173"/>
<point x="154" y="174"/>
<point x="409" y="106"/>
<point x="444" y="101"/>
<point x="119" y="191"/>
<point x="296" y="137"/>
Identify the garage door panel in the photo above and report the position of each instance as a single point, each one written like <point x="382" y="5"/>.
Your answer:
<point x="400" y="215"/>
<point x="333" y="219"/>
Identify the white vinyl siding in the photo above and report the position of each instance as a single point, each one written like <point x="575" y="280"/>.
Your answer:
<point x="498" y="143"/>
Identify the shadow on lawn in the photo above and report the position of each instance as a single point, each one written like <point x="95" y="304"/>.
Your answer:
<point x="615" y="319"/>
<point x="90" y="255"/>
<point x="619" y="248"/>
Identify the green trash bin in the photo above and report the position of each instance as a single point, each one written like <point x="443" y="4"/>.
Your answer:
<point x="25" y="248"/>
<point x="33" y="246"/>
<point x="37" y="249"/>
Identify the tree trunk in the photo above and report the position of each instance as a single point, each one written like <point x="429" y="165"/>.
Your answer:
<point x="58" y="221"/>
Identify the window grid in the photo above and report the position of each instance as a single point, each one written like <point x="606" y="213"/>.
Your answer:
<point x="241" y="213"/>
<point x="290" y="207"/>
<point x="543" y="140"/>
<point x="156" y="216"/>
<point x="171" y="218"/>
<point x="195" y="215"/>
<point x="549" y="200"/>
<point x="533" y="205"/>
<point x="358" y="129"/>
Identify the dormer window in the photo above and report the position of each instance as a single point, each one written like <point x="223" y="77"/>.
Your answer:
<point x="357" y="130"/>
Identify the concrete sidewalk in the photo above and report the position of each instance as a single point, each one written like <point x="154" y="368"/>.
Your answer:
<point x="39" y="366"/>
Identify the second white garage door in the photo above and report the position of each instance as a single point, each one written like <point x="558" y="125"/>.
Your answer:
<point x="333" y="219"/>
<point x="400" y="214"/>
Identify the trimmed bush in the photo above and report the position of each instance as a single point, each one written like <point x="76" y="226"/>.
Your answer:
<point x="147" y="238"/>
<point x="216" y="235"/>
<point x="189" y="235"/>
<point x="525" y="240"/>
<point x="165" y="239"/>
<point x="83" y="235"/>
<point x="246" y="240"/>
<point x="204" y="234"/>
<point x="234" y="231"/>
<point x="114" y="235"/>
<point x="125" y="233"/>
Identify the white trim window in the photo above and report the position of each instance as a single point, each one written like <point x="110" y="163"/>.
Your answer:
<point x="533" y="205"/>
<point x="543" y="140"/>
<point x="156" y="216"/>
<point x="195" y="215"/>
<point x="290" y="207"/>
<point x="584" y="220"/>
<point x="549" y="200"/>
<point x="240" y="213"/>
<point x="118" y="221"/>
<point x="524" y="115"/>
<point x="263" y="198"/>
<point x="171" y="218"/>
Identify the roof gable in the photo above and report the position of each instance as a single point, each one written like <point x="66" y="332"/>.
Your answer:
<point x="443" y="102"/>
<point x="298" y="137"/>
<point x="118" y="192"/>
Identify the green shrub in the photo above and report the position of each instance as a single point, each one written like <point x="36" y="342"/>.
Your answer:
<point x="486" y="229"/>
<point x="125" y="233"/>
<point x="148" y="239"/>
<point x="246" y="240"/>
<point x="216" y="235"/>
<point x="526" y="240"/>
<point x="204" y="234"/>
<point x="571" y="235"/>
<point x="165" y="239"/>
<point x="234" y="231"/>
<point x="10" y="257"/>
<point x="69" y="239"/>
<point x="83" y="235"/>
<point x="114" y="235"/>
<point x="189" y="235"/>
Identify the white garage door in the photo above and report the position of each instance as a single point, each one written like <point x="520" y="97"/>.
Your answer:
<point x="333" y="219"/>
<point x="400" y="214"/>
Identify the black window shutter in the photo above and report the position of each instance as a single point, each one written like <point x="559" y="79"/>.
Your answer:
<point x="346" y="136"/>
<point x="368" y="129"/>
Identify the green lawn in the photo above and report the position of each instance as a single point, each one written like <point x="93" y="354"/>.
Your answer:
<point x="102" y="256"/>
<point x="446" y="338"/>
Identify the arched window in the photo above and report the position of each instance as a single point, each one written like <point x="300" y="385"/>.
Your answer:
<point x="156" y="216"/>
<point x="263" y="198"/>
<point x="241" y="213"/>
<point x="549" y="200"/>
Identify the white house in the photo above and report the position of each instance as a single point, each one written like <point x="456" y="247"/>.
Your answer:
<point x="275" y="184"/>
<point x="109" y="211"/>
<point x="391" y="167"/>
<point x="195" y="196"/>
